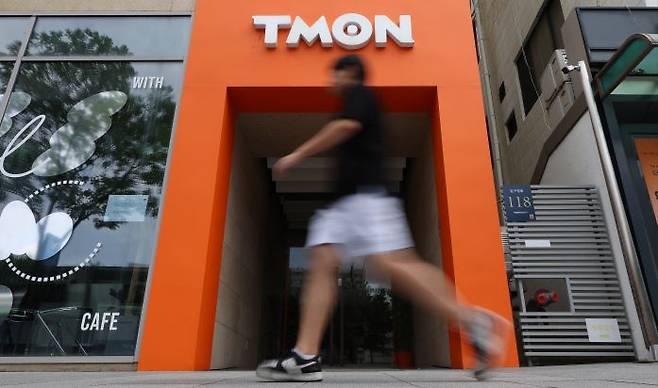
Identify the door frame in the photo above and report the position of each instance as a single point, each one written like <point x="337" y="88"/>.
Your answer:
<point x="634" y="192"/>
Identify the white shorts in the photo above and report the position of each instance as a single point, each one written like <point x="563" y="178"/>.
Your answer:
<point x="362" y="224"/>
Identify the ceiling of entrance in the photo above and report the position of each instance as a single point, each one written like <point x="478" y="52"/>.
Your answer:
<point x="271" y="135"/>
<point x="276" y="134"/>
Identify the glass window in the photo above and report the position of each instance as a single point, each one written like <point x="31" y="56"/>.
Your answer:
<point x="529" y="89"/>
<point x="537" y="51"/>
<point x="126" y="36"/>
<point x="547" y="295"/>
<point x="12" y="33"/>
<point x="502" y="92"/>
<point x="647" y="153"/>
<point x="511" y="126"/>
<point x="83" y="165"/>
<point x="5" y="72"/>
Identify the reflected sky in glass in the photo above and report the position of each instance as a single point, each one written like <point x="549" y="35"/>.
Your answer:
<point x="12" y="32"/>
<point x="138" y="36"/>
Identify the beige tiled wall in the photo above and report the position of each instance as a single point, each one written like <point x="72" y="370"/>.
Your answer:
<point x="430" y="334"/>
<point x="96" y="5"/>
<point x="239" y="305"/>
<point x="505" y="25"/>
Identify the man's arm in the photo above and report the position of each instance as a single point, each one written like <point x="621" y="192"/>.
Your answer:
<point x="332" y="134"/>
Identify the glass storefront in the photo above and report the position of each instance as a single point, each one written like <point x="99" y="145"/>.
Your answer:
<point x="631" y="119"/>
<point x="627" y="88"/>
<point x="83" y="154"/>
<point x="647" y="154"/>
<point x="12" y="32"/>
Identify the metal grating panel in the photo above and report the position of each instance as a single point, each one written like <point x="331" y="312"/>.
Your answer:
<point x="572" y="220"/>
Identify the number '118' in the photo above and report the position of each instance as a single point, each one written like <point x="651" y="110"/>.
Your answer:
<point x="519" y="202"/>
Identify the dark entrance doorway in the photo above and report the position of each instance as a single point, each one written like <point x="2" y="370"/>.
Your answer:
<point x="262" y="265"/>
<point x="370" y="327"/>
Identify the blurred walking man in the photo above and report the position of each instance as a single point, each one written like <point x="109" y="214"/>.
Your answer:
<point x="366" y="222"/>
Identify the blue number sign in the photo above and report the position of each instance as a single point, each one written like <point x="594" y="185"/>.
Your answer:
<point x="518" y="203"/>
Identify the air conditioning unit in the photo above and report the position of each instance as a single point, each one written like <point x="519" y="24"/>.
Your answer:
<point x="556" y="88"/>
<point x="553" y="78"/>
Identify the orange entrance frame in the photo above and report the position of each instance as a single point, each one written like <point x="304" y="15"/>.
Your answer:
<point x="229" y="70"/>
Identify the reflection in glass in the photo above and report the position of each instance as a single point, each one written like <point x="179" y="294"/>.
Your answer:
<point x="75" y="142"/>
<point x="6" y="299"/>
<point x="86" y="299"/>
<point x="14" y="103"/>
<point x="12" y="32"/>
<point x="138" y="36"/>
<point x="18" y="101"/>
<point x="647" y="153"/>
<point x="5" y="73"/>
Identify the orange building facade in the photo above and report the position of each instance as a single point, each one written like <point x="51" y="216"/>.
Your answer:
<point x="230" y="72"/>
<point x="140" y="223"/>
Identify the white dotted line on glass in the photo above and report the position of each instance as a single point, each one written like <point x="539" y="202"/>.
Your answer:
<point x="51" y="185"/>
<point x="45" y="279"/>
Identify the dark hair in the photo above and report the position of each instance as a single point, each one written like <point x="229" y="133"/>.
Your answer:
<point x="354" y="63"/>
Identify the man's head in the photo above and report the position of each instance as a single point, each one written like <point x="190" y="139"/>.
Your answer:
<point x="348" y="71"/>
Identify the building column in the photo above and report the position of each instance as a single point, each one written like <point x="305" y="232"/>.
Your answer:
<point x="181" y="303"/>
<point x="469" y="227"/>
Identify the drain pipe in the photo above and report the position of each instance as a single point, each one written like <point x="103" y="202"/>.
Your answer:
<point x="489" y="104"/>
<point x="641" y="344"/>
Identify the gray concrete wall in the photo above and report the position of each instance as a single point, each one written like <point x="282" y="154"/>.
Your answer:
<point x="96" y="5"/>
<point x="246" y="236"/>
<point x="505" y="26"/>
<point x="576" y="162"/>
<point x="430" y="333"/>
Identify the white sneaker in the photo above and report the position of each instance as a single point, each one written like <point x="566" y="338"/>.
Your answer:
<point x="291" y="368"/>
<point x="487" y="335"/>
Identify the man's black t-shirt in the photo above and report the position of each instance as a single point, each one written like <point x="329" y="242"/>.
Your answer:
<point x="361" y="158"/>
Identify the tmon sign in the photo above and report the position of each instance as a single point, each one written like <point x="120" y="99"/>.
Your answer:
<point x="351" y="30"/>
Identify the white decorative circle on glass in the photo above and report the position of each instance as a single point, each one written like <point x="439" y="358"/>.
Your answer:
<point x="6" y="301"/>
<point x="20" y="234"/>
<point x="18" y="230"/>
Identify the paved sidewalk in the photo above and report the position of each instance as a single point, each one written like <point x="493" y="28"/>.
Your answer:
<point x="577" y="376"/>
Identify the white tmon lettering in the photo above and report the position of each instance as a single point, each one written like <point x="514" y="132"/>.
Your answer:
<point x="99" y="321"/>
<point x="271" y="25"/>
<point x="300" y="29"/>
<point x="148" y="82"/>
<point x="401" y="34"/>
<point x="351" y="30"/>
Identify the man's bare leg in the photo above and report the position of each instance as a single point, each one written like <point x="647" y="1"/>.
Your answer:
<point x="318" y="298"/>
<point x="420" y="282"/>
<point x="426" y="285"/>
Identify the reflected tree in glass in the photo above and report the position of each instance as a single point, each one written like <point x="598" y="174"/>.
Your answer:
<point x="129" y="159"/>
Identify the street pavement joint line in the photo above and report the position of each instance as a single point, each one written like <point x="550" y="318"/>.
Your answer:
<point x="633" y="382"/>
<point x="402" y="381"/>
<point x="243" y="377"/>
<point x="613" y="381"/>
<point x="525" y="384"/>
<point x="492" y="380"/>
<point x="213" y="382"/>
